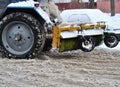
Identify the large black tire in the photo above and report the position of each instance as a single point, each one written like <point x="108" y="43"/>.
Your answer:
<point x="87" y="44"/>
<point x="111" y="40"/>
<point x="22" y="36"/>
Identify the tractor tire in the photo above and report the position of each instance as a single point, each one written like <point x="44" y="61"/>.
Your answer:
<point x="87" y="44"/>
<point x="111" y="40"/>
<point x="22" y="36"/>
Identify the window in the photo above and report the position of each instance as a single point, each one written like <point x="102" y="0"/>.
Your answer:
<point x="78" y="18"/>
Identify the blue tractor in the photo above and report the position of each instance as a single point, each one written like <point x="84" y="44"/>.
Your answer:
<point x="22" y="29"/>
<point x="26" y="30"/>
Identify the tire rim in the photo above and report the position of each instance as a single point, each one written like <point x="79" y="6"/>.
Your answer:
<point x="87" y="44"/>
<point x="112" y="40"/>
<point x="17" y="38"/>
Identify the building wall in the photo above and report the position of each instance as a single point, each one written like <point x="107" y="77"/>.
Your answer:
<point x="117" y="7"/>
<point x="72" y="5"/>
<point x="66" y="1"/>
<point x="105" y="6"/>
<point x="62" y="1"/>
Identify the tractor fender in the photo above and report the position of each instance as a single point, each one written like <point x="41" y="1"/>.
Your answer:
<point x="27" y="7"/>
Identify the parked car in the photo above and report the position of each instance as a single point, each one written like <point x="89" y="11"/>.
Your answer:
<point x="78" y="16"/>
<point x="82" y="16"/>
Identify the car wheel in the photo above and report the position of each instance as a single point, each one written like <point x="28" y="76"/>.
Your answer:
<point x="111" y="41"/>
<point x="87" y="44"/>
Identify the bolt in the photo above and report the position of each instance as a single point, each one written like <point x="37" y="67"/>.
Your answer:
<point x="7" y="46"/>
<point x="18" y="27"/>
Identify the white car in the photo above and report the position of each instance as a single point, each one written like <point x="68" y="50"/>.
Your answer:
<point x="77" y="16"/>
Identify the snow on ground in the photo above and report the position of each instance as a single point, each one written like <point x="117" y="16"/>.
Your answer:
<point x="117" y="48"/>
<point x="99" y="68"/>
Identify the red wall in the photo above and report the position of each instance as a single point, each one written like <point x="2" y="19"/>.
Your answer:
<point x="117" y="7"/>
<point x="105" y="6"/>
<point x="102" y="5"/>
<point x="72" y="5"/>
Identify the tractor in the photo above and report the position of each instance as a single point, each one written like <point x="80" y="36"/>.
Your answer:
<point x="26" y="30"/>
